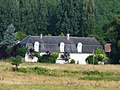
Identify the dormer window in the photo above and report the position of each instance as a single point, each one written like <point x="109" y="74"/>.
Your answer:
<point x="36" y="46"/>
<point x="79" y="47"/>
<point x="62" y="47"/>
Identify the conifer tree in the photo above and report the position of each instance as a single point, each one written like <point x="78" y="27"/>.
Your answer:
<point x="9" y="36"/>
<point x="88" y="19"/>
<point x="68" y="17"/>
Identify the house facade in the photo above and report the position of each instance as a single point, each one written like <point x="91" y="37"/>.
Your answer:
<point x="79" y="48"/>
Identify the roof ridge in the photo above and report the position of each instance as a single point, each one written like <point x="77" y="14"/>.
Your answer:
<point x="65" y="36"/>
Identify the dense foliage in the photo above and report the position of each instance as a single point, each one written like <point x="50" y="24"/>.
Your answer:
<point x="77" y="17"/>
<point x="52" y="17"/>
<point x="16" y="61"/>
<point x="9" y="38"/>
<point x="99" y="56"/>
<point x="46" y="58"/>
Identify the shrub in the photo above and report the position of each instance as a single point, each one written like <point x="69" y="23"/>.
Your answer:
<point x="24" y="70"/>
<point x="72" y="61"/>
<point x="40" y="70"/>
<point x="90" y="60"/>
<point x="48" y="58"/>
<point x="99" y="56"/>
<point x="37" y="54"/>
<point x="45" y="58"/>
<point x="16" y="61"/>
<point x="37" y="70"/>
<point x="53" y="57"/>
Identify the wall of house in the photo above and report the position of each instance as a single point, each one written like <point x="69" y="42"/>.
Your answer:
<point x="79" y="58"/>
<point x="28" y="59"/>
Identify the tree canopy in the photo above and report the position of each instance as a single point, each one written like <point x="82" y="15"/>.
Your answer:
<point x="77" y="17"/>
<point x="93" y="18"/>
<point x="9" y="38"/>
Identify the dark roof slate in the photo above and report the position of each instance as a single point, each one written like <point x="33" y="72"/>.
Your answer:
<point x="51" y="43"/>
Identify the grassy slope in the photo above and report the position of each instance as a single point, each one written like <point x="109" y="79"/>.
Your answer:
<point x="68" y="81"/>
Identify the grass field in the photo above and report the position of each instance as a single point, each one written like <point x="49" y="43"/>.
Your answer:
<point x="39" y="76"/>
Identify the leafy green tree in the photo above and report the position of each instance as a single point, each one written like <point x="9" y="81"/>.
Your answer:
<point x="10" y="36"/>
<point x="68" y="17"/>
<point x="49" y="34"/>
<point x="99" y="56"/>
<point x="21" y="35"/>
<point x="113" y="36"/>
<point x="77" y="17"/>
<point x="22" y="51"/>
<point x="61" y="34"/>
<point x="88" y="17"/>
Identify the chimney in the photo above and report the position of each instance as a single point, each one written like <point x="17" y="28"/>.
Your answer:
<point x="41" y="36"/>
<point x="68" y="36"/>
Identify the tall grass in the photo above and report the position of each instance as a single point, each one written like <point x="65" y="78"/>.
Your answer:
<point x="43" y="76"/>
<point x="84" y="75"/>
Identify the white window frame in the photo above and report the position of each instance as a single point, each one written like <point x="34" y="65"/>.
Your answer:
<point x="36" y="46"/>
<point x="62" y="47"/>
<point x="79" y="47"/>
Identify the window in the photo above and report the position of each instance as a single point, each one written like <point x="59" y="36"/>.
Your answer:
<point x="79" y="47"/>
<point x="62" y="45"/>
<point x="36" y="46"/>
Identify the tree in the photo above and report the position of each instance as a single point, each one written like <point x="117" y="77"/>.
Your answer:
<point x="98" y="56"/>
<point x="22" y="51"/>
<point x="21" y="35"/>
<point x="16" y="61"/>
<point x="77" y="17"/>
<point x="3" y="52"/>
<point x="9" y="37"/>
<point x="61" y="34"/>
<point x="68" y="17"/>
<point x="113" y="36"/>
<point x="88" y="17"/>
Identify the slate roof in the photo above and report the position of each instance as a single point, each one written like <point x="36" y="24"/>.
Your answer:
<point x="51" y="43"/>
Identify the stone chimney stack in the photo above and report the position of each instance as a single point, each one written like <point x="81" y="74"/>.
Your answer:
<point x="41" y="36"/>
<point x="68" y="36"/>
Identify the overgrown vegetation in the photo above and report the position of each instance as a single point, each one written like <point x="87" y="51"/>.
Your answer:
<point x="75" y="77"/>
<point x="93" y="18"/>
<point x="99" y="56"/>
<point x="84" y="75"/>
<point x="46" y="58"/>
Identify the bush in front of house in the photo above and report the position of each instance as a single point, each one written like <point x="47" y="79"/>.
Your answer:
<point x="99" y="56"/>
<point x="47" y="58"/>
<point x="37" y="54"/>
<point x="91" y="59"/>
<point x="53" y="57"/>
<point x="72" y="61"/>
